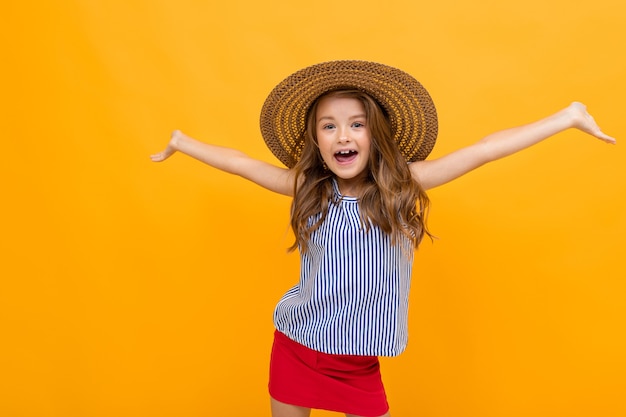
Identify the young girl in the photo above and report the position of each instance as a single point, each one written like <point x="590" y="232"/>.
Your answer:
<point x="354" y="136"/>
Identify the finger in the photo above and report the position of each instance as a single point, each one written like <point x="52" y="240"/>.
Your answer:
<point x="157" y="157"/>
<point x="608" y="139"/>
<point x="603" y="136"/>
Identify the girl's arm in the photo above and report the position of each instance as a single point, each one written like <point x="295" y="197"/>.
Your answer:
<point x="280" y="180"/>
<point x="506" y="142"/>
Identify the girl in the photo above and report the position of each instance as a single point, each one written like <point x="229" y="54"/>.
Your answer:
<point x="354" y="136"/>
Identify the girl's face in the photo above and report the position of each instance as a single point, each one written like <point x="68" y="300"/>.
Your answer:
<point x="344" y="140"/>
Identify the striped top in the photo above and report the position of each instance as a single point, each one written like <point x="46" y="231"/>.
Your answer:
<point x="352" y="297"/>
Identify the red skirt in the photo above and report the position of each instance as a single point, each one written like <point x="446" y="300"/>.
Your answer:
<point x="307" y="378"/>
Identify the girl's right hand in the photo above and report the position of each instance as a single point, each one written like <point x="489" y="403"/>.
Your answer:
<point x="169" y="150"/>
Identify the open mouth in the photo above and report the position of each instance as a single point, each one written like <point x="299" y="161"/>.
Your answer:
<point x="345" y="156"/>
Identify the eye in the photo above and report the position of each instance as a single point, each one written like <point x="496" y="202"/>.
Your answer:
<point x="328" y="126"/>
<point x="358" y="124"/>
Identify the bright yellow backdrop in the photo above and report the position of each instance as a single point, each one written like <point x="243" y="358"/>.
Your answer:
<point x="138" y="289"/>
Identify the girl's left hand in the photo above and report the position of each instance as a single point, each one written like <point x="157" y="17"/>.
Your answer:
<point x="582" y="120"/>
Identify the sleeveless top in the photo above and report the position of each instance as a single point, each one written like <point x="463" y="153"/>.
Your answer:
<point x="352" y="296"/>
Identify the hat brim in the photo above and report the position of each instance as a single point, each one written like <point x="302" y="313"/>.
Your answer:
<point x="410" y="108"/>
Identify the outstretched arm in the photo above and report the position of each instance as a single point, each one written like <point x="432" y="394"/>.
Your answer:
<point x="280" y="180"/>
<point x="503" y="143"/>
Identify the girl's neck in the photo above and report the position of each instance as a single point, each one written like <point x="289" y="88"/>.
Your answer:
<point x="352" y="187"/>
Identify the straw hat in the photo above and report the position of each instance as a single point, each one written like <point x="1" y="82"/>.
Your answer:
<point x="406" y="102"/>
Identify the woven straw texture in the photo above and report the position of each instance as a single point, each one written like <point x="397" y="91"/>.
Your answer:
<point x="409" y="106"/>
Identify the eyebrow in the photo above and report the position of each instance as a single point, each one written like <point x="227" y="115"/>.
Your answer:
<point x="356" y="116"/>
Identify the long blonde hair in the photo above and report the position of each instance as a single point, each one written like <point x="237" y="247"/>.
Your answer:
<point x="391" y="198"/>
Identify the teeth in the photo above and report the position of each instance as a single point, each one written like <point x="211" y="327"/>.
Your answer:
<point x="344" y="152"/>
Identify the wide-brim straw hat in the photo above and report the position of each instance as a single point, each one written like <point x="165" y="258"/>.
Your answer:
<point x="408" y="105"/>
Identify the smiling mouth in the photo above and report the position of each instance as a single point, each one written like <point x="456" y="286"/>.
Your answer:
<point x="345" y="156"/>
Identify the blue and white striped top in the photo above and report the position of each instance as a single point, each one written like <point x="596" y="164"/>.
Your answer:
<point x="352" y="297"/>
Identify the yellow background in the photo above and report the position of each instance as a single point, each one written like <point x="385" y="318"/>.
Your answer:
<point x="138" y="289"/>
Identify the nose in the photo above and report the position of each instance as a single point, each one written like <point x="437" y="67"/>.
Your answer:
<point x="343" y="136"/>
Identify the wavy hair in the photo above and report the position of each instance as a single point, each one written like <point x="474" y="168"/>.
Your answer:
<point x="392" y="199"/>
